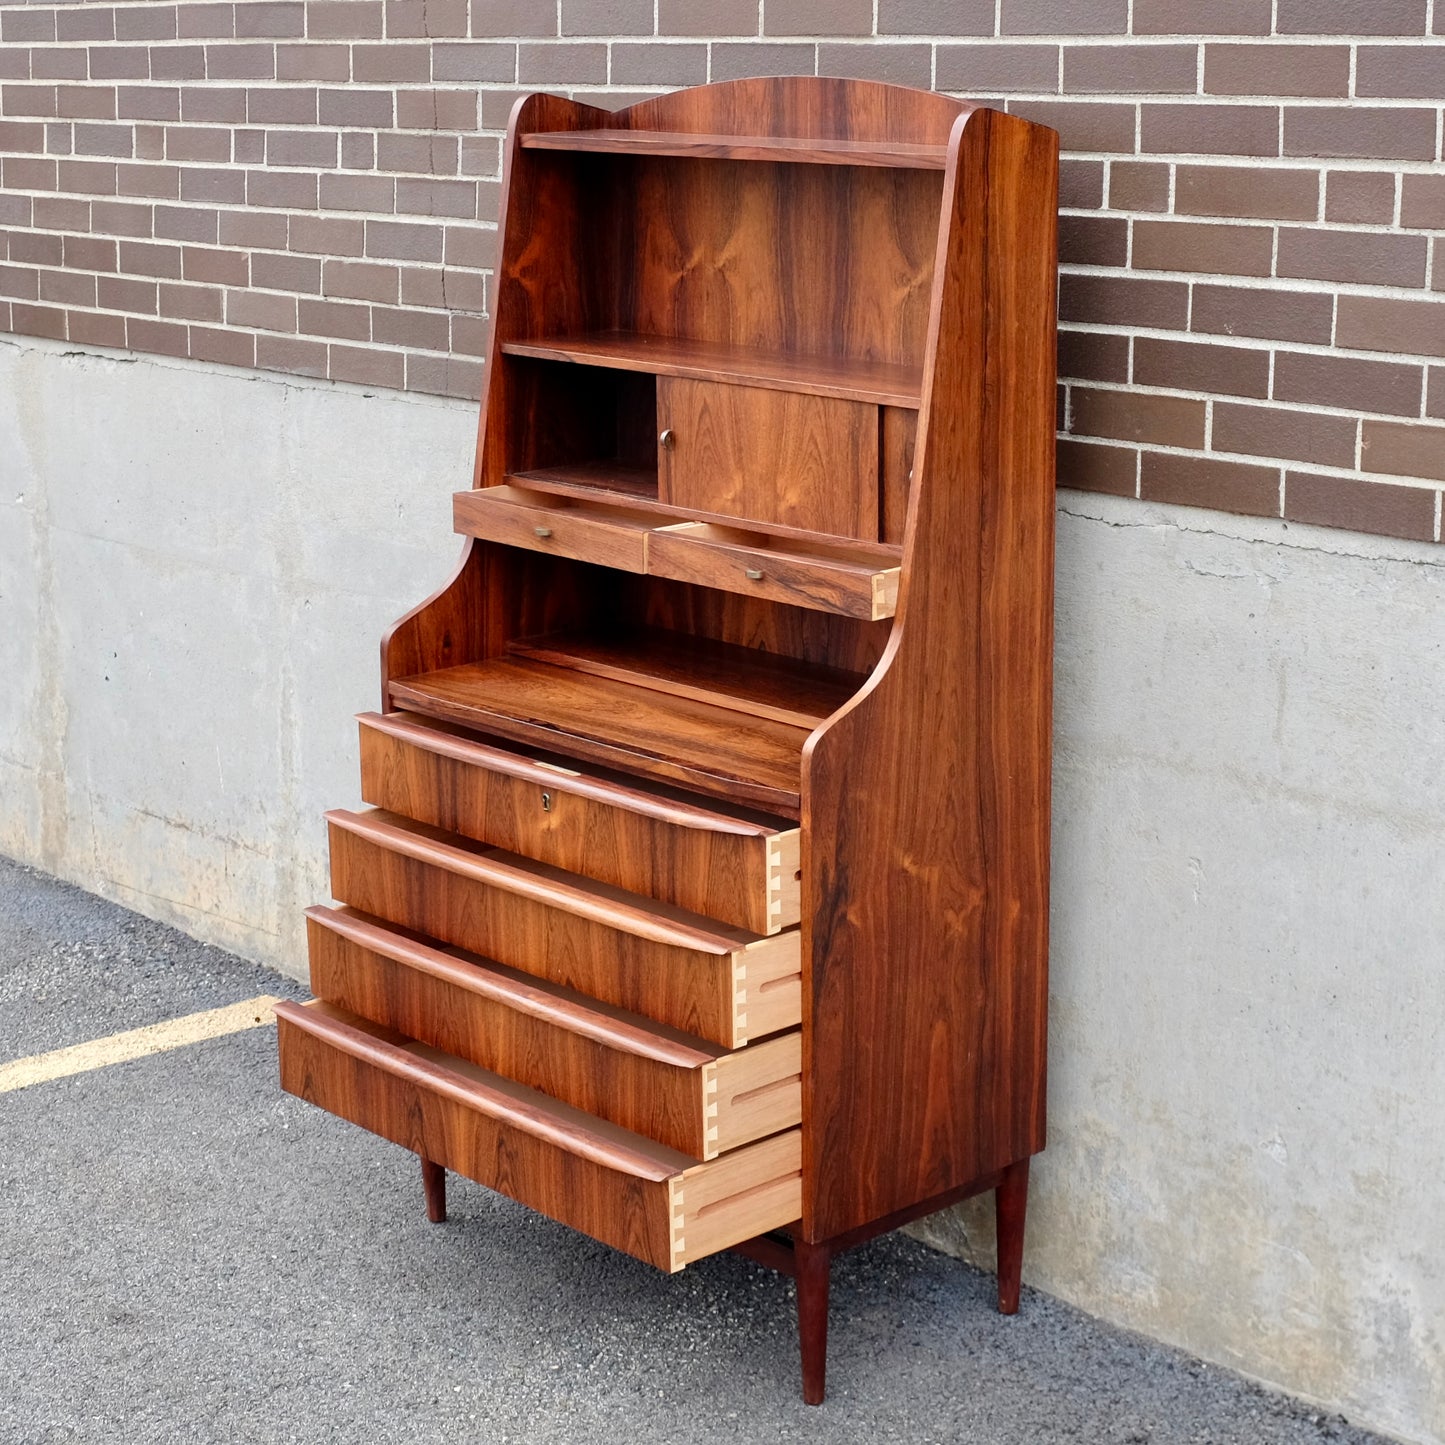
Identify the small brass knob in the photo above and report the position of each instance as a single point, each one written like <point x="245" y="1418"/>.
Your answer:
<point x="752" y="574"/>
<point x="666" y="439"/>
<point x="542" y="531"/>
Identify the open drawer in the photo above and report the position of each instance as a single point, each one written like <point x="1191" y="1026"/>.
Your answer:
<point x="721" y="861"/>
<point x="610" y="535"/>
<point x="691" y="973"/>
<point x="857" y="579"/>
<point x="640" y="1197"/>
<point x="672" y="1087"/>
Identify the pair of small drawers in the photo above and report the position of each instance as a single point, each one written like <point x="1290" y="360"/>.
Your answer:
<point x="578" y="990"/>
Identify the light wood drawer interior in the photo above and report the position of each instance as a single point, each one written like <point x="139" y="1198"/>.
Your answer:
<point x="676" y="1089"/>
<point x="692" y="973"/>
<point x="629" y="1192"/>
<point x="726" y="863"/>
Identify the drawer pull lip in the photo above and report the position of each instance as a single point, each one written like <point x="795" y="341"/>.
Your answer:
<point x="542" y="531"/>
<point x="666" y="439"/>
<point x="752" y="574"/>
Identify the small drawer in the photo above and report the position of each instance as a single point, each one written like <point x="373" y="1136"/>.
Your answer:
<point x="706" y="978"/>
<point x="669" y="1086"/>
<point x="855" y="580"/>
<point x="610" y="536"/>
<point x="726" y="863"/>
<point x="637" y="1196"/>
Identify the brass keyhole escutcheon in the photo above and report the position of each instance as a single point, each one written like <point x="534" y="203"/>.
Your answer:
<point x="546" y="802"/>
<point x="666" y="439"/>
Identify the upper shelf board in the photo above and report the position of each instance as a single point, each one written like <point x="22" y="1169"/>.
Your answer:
<point x="882" y="382"/>
<point x="900" y="155"/>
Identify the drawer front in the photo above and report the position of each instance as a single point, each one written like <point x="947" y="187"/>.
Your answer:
<point x="668" y="1086"/>
<point x="637" y="1196"/>
<point x="720" y="864"/>
<point x="687" y="972"/>
<point x="769" y="456"/>
<point x="609" y="536"/>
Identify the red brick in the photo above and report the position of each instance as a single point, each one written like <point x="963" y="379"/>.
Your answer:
<point x="156" y="336"/>
<point x="288" y="353"/>
<point x="1271" y="431"/>
<point x="261" y="309"/>
<point x="444" y="376"/>
<point x="120" y="62"/>
<point x="293" y="189"/>
<point x="197" y="143"/>
<point x="1137" y="416"/>
<point x="281" y="105"/>
<point x="61" y="213"/>
<point x="345" y="19"/>
<point x="273" y="271"/>
<point x="90" y="253"/>
<point x="419" y="154"/>
<point x="1201" y="366"/>
<point x="26" y="320"/>
<point x="27" y="100"/>
<point x="367" y="367"/>
<point x="1226" y="130"/>
<point x="206" y="183"/>
<point x="27" y="173"/>
<point x="574" y="63"/>
<point x="403" y="241"/>
<point x="270" y="19"/>
<point x="1360" y="197"/>
<point x="1357" y="131"/>
<point x="121" y="218"/>
<point x="120" y="293"/>
<point x="1246" y="191"/>
<point x="1351" y="17"/>
<point x="248" y="147"/>
<point x="1435" y="395"/>
<point x="1376" y="323"/>
<point x="57" y="64"/>
<point x="648" y="63"/>
<point x="358" y="151"/>
<point x="526" y="17"/>
<point x="1131" y="69"/>
<point x="91" y="22"/>
<point x="91" y="178"/>
<point x="424" y="330"/>
<point x="1123" y="301"/>
<point x="1093" y="240"/>
<point x="1096" y="467"/>
<point x="355" y="107"/>
<point x="317" y="148"/>
<point x="89" y="328"/>
<point x="137" y="179"/>
<point x="227" y="348"/>
<point x="22" y="282"/>
<point x="471" y="335"/>
<point x="22" y="137"/>
<point x="1192" y="246"/>
<point x="22" y="26"/>
<point x="373" y="64"/>
<point x="1138" y="186"/>
<point x="213" y="105"/>
<point x="1083" y="125"/>
<point x="36" y="248"/>
<point x="1402" y="450"/>
<point x="313" y="61"/>
<point x="145" y="22"/>
<point x="437" y="198"/>
<point x="1093" y="356"/>
<point x="148" y="102"/>
<point x="1225" y="486"/>
<point x="358" y="193"/>
<point x="361" y="281"/>
<point x="82" y="102"/>
<point x="1357" y="505"/>
<point x="334" y="318"/>
<point x="1274" y="315"/>
<point x="436" y="110"/>
<point x="253" y="228"/>
<point x="1347" y="382"/>
<point x="190" y="303"/>
<point x="1362" y="257"/>
<point x="1064" y="17"/>
<point x="1422" y="202"/>
<point x="146" y="258"/>
<point x="326" y="236"/>
<point x="178" y="62"/>
<point x="241" y="62"/>
<point x="206" y="22"/>
<point x="224" y="268"/>
<point x="422" y="19"/>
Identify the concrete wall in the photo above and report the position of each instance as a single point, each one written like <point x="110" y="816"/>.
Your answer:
<point x="1248" y="1144"/>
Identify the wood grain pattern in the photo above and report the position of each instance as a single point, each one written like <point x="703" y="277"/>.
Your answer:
<point x="768" y="456"/>
<point x="725" y="863"/>
<point x="789" y="149"/>
<point x="845" y="377"/>
<point x="621" y="1189"/>
<point x="608" y="536"/>
<point x="853" y="581"/>
<point x="658" y="1082"/>
<point x="741" y="679"/>
<point x="694" y="974"/>
<point x="926" y="801"/>
<point x="712" y="749"/>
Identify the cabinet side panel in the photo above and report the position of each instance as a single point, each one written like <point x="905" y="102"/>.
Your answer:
<point x="926" y="803"/>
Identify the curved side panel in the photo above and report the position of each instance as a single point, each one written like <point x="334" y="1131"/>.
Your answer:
<point x="926" y="907"/>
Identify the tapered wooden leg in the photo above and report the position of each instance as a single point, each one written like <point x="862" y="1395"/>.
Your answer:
<point x="811" y="1263"/>
<point x="1010" y="1202"/>
<point x="434" y="1185"/>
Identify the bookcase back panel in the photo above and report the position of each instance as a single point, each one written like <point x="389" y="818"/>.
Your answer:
<point x="818" y="260"/>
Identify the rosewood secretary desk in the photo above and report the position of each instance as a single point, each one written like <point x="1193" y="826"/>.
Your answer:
<point x="702" y="902"/>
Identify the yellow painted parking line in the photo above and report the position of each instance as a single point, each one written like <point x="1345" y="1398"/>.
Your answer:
<point x="137" y="1043"/>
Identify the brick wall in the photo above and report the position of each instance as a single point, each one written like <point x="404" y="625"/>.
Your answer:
<point x="1253" y="289"/>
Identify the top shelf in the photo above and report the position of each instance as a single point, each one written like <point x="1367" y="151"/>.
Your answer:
<point x="899" y="155"/>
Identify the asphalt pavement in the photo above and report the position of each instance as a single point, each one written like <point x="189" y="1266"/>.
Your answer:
<point x="187" y="1254"/>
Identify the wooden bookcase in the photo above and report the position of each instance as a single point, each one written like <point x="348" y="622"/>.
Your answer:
<point x="702" y="902"/>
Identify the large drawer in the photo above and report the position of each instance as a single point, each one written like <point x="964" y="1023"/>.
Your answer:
<point x="669" y="1086"/>
<point x="707" y="978"/>
<point x="638" y="1196"/>
<point x="723" y="862"/>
